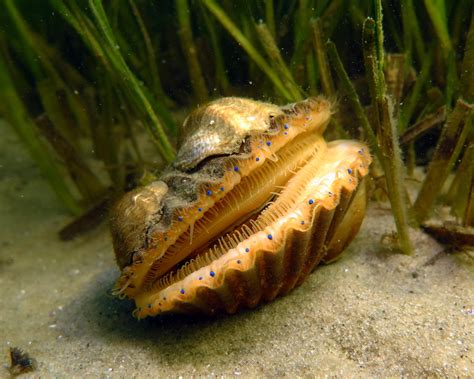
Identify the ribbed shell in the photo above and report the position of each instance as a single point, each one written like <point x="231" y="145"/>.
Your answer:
<point x="237" y="154"/>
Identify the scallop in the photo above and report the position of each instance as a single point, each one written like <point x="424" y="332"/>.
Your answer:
<point x="255" y="200"/>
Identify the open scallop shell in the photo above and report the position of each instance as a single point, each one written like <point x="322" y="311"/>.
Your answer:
<point x="255" y="200"/>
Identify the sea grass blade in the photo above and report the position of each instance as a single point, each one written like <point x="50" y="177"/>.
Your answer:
<point x="270" y="17"/>
<point x="226" y="22"/>
<point x="338" y="131"/>
<point x="353" y="99"/>
<point x="190" y="51"/>
<point x="49" y="93"/>
<point x="85" y="180"/>
<point x="449" y="146"/>
<point x="379" y="46"/>
<point x="62" y="105"/>
<point x="409" y="105"/>
<point x="108" y="122"/>
<point x="386" y="127"/>
<point x="370" y="62"/>
<point x="221" y="76"/>
<point x="47" y="79"/>
<point x="451" y="234"/>
<point x="413" y="38"/>
<point x="87" y="221"/>
<point x="321" y="55"/>
<point x="274" y="54"/>
<point x="300" y="37"/>
<point x="468" y="218"/>
<point x="101" y="40"/>
<point x="151" y="56"/>
<point x="395" y="77"/>
<point x="12" y="108"/>
<point x="312" y="74"/>
<point x="460" y="195"/>
<point x="422" y="126"/>
<point x="25" y="38"/>
<point x="459" y="20"/>
<point x="155" y="126"/>
<point x="394" y="173"/>
<point x="331" y="16"/>
<point x="437" y="11"/>
<point x="467" y="72"/>
<point x="391" y="16"/>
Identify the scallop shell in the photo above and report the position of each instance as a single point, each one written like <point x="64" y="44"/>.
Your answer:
<point x="255" y="200"/>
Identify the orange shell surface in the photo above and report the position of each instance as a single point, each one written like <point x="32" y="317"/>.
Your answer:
<point x="248" y="223"/>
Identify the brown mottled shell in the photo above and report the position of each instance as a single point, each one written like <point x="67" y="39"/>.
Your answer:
<point x="254" y="201"/>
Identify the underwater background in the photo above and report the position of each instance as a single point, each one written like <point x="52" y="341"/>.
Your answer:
<point x="92" y="98"/>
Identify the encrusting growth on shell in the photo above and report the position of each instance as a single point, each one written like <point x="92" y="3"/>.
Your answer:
<point x="254" y="201"/>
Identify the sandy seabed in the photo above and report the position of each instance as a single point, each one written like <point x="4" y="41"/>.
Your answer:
<point x="374" y="313"/>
